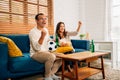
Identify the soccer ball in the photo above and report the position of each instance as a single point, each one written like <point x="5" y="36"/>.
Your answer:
<point x="51" y="46"/>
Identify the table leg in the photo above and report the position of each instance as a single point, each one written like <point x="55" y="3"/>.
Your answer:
<point x="88" y="64"/>
<point x="102" y="65"/>
<point x="63" y="65"/>
<point x="76" y="70"/>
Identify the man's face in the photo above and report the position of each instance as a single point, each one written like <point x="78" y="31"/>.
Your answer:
<point x="42" y="20"/>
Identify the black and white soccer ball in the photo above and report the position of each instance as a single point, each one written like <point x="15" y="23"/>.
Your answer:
<point x="51" y="46"/>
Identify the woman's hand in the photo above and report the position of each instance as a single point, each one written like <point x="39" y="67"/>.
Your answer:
<point x="79" y="25"/>
<point x="64" y="44"/>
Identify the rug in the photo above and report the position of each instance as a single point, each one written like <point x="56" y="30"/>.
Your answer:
<point x="110" y="74"/>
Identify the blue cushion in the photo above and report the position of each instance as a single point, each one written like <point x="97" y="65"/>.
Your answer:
<point x="25" y="64"/>
<point x="80" y="44"/>
<point x="21" y="40"/>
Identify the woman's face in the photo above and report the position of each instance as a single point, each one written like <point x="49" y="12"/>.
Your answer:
<point x="62" y="28"/>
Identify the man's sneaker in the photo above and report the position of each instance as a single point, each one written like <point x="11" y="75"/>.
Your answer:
<point x="55" y="77"/>
<point x="48" y="78"/>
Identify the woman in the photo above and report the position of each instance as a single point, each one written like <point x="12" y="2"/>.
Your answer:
<point x="64" y="35"/>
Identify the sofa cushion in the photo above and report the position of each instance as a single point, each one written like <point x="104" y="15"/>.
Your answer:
<point x="14" y="51"/>
<point x="64" y="49"/>
<point x="25" y="64"/>
<point x="79" y="50"/>
<point x="21" y="40"/>
<point x="80" y="44"/>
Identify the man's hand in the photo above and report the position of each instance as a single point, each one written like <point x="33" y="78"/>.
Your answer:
<point x="43" y="33"/>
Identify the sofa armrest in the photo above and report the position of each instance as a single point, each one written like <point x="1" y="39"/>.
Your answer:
<point x="3" y="59"/>
<point x="81" y="44"/>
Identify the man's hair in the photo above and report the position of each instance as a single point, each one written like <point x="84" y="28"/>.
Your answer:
<point x="36" y="17"/>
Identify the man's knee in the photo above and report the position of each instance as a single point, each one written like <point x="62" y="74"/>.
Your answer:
<point x="51" y="57"/>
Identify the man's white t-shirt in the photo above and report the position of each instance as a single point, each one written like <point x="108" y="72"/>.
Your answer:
<point x="34" y="36"/>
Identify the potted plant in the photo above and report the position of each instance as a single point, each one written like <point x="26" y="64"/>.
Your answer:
<point x="82" y="36"/>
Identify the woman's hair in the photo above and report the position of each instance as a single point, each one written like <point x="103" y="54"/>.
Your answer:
<point x="58" y="28"/>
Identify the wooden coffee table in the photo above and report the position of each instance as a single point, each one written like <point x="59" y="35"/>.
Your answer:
<point x="81" y="73"/>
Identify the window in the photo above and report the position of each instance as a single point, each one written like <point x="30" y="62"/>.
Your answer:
<point x="115" y="26"/>
<point x="17" y="16"/>
<point x="115" y="29"/>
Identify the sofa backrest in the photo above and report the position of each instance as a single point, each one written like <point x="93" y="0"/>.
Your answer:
<point x="21" y="40"/>
<point x="80" y="44"/>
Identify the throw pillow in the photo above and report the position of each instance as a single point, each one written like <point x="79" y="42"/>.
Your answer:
<point x="64" y="49"/>
<point x="14" y="51"/>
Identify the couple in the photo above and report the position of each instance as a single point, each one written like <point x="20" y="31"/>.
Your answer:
<point x="39" y="37"/>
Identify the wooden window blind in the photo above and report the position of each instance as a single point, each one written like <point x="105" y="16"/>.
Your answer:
<point x="17" y="16"/>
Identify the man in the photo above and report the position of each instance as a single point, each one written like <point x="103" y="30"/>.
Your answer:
<point x="39" y="37"/>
